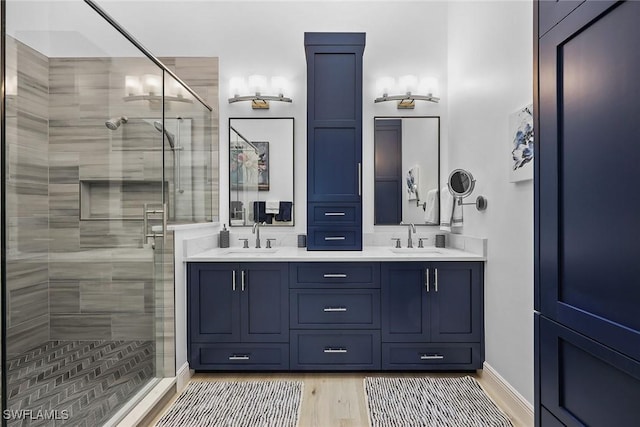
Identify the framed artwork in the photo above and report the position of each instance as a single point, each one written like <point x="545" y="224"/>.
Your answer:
<point x="521" y="144"/>
<point x="263" y="165"/>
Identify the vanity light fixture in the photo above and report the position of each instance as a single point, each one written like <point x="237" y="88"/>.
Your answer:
<point x="148" y="87"/>
<point x="257" y="84"/>
<point x="410" y="86"/>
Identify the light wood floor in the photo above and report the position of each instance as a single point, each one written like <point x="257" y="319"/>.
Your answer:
<point x="329" y="399"/>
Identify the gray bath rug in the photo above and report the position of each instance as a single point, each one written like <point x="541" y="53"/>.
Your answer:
<point x="433" y="402"/>
<point x="236" y="404"/>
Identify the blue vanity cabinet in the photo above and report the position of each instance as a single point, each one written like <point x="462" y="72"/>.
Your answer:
<point x="334" y="140"/>
<point x="335" y="316"/>
<point x="586" y="285"/>
<point x="238" y="315"/>
<point x="432" y="315"/>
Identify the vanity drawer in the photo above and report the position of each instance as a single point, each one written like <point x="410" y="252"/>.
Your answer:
<point x="329" y="238"/>
<point x="335" y="351"/>
<point x="239" y="356"/>
<point x="347" y="214"/>
<point x="431" y="356"/>
<point x="339" y="309"/>
<point x="335" y="275"/>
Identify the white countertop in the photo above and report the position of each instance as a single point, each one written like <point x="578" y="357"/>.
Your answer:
<point x="373" y="253"/>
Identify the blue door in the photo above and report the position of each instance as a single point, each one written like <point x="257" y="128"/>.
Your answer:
<point x="264" y="289"/>
<point x="214" y="302"/>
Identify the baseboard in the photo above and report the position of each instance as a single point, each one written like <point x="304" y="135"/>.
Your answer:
<point x="183" y="376"/>
<point x="518" y="406"/>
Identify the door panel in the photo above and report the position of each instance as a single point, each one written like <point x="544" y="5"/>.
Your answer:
<point x="586" y="383"/>
<point x="214" y="305"/>
<point x="456" y="302"/>
<point x="264" y="302"/>
<point x="588" y="112"/>
<point x="405" y="310"/>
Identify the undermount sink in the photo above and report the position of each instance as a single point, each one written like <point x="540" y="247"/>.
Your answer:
<point x="251" y="251"/>
<point x="417" y="251"/>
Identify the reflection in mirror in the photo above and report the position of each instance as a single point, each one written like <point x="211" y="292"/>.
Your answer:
<point x="461" y="183"/>
<point x="261" y="171"/>
<point x="407" y="170"/>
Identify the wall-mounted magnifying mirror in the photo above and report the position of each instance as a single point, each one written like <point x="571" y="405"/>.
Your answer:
<point x="261" y="171"/>
<point x="407" y="170"/>
<point x="461" y="184"/>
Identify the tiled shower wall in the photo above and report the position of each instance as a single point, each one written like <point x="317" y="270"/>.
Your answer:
<point x="71" y="278"/>
<point x="27" y="199"/>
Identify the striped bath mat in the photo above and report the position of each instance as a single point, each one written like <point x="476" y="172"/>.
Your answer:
<point x="236" y="404"/>
<point x="433" y="402"/>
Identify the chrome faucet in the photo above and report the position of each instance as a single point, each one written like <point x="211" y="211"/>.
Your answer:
<point x="410" y="240"/>
<point x="256" y="231"/>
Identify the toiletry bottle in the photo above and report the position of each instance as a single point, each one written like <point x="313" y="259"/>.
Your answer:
<point x="224" y="237"/>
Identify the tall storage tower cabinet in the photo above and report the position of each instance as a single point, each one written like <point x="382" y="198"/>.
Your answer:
<point x="334" y="140"/>
<point x="587" y="222"/>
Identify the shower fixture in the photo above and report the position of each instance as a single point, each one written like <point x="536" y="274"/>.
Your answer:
<point x="115" y="123"/>
<point x="170" y="137"/>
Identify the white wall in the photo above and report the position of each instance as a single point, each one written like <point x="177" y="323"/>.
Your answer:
<point x="490" y="76"/>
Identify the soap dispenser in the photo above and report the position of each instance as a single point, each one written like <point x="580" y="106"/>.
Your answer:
<point x="224" y="237"/>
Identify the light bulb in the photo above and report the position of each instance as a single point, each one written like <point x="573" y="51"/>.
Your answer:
<point x="132" y="85"/>
<point x="151" y="84"/>
<point x="279" y="85"/>
<point x="408" y="83"/>
<point x="428" y="86"/>
<point x="237" y="86"/>
<point x="385" y="85"/>
<point x="257" y="83"/>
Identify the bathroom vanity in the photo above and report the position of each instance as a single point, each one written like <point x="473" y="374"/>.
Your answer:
<point x="378" y="309"/>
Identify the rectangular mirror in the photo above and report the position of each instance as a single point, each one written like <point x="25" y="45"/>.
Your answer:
<point x="407" y="170"/>
<point x="261" y="171"/>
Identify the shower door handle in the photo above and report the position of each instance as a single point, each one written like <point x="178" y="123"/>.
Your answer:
<point x="145" y="223"/>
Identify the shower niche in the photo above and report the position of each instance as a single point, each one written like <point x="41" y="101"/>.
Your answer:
<point x="117" y="199"/>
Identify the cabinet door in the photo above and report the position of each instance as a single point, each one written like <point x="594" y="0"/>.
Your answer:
<point x="264" y="302"/>
<point x="553" y="11"/>
<point x="456" y="302"/>
<point x="584" y="383"/>
<point x="334" y="116"/>
<point x="405" y="312"/>
<point x="213" y="302"/>
<point x="589" y="109"/>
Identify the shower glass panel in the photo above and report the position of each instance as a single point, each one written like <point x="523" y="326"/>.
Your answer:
<point x="188" y="153"/>
<point x="243" y="179"/>
<point x="91" y="175"/>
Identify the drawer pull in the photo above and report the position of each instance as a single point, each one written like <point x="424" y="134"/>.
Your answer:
<point x="334" y="309"/>
<point x="431" y="357"/>
<point x="335" y="350"/>
<point x="334" y="276"/>
<point x="334" y="214"/>
<point x="239" y="357"/>
<point x="335" y="238"/>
